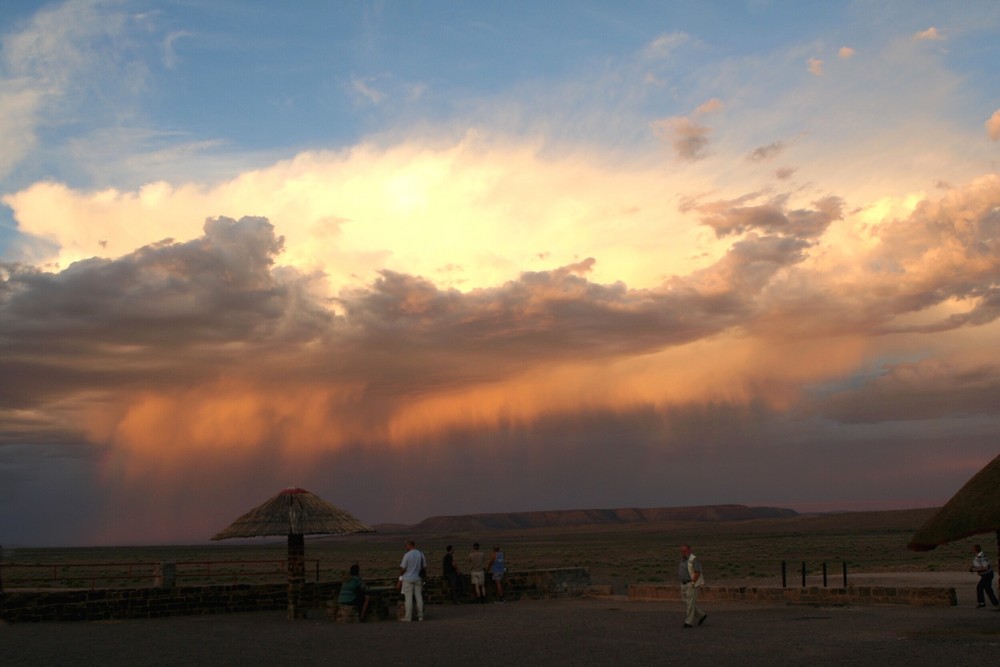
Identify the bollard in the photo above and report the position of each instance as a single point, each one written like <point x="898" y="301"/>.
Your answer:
<point x="844" y="563"/>
<point x="803" y="574"/>
<point x="824" y="574"/>
<point x="165" y="575"/>
<point x="784" y="576"/>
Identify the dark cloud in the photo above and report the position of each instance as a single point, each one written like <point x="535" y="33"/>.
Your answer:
<point x="919" y="391"/>
<point x="216" y="288"/>
<point x="156" y="308"/>
<point x="767" y="152"/>
<point x="543" y="314"/>
<point x="733" y="216"/>
<point x="687" y="137"/>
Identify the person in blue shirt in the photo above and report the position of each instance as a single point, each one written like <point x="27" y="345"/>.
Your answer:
<point x="497" y="568"/>
<point x="352" y="592"/>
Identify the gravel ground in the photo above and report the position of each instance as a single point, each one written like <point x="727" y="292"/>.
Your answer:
<point x="589" y="631"/>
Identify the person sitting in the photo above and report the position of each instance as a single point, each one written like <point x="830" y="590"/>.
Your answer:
<point x="352" y="592"/>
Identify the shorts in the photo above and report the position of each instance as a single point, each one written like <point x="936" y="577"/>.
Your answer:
<point x="497" y="576"/>
<point x="478" y="578"/>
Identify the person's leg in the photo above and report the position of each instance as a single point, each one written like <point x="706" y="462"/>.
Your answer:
<point x="981" y="591"/>
<point x="418" y="590"/>
<point x="687" y="594"/>
<point x="477" y="586"/>
<point x="989" y="588"/>
<point x="407" y="600"/>
<point x="698" y="613"/>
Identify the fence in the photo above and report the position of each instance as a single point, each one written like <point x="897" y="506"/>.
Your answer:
<point x="69" y="575"/>
<point x="784" y="574"/>
<point x="314" y="598"/>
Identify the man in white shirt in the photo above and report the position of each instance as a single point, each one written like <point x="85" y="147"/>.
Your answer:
<point x="409" y="574"/>
<point x="689" y="575"/>
<point x="981" y="566"/>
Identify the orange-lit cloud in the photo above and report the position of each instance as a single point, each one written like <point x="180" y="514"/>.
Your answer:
<point x="993" y="126"/>
<point x="210" y="350"/>
<point x="470" y="214"/>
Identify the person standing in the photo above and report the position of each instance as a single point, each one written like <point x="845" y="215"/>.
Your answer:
<point x="413" y="584"/>
<point x="690" y="575"/>
<point x="452" y="575"/>
<point x="477" y="574"/>
<point x="497" y="568"/>
<point x="981" y="566"/>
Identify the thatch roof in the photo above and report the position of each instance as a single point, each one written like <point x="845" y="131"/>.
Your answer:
<point x="974" y="509"/>
<point x="294" y="511"/>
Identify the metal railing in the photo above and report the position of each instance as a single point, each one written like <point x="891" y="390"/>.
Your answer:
<point x="784" y="574"/>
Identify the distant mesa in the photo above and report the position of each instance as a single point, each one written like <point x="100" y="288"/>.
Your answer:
<point x="591" y="517"/>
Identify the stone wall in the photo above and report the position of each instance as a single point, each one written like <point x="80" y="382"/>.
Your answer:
<point x="79" y="605"/>
<point x="852" y="595"/>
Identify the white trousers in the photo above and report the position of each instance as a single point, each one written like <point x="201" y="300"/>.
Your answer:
<point x="690" y="594"/>
<point x="413" y="589"/>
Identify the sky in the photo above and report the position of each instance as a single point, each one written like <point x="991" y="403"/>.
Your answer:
<point x="433" y="258"/>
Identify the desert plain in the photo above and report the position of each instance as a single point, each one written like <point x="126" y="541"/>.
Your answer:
<point x="593" y="630"/>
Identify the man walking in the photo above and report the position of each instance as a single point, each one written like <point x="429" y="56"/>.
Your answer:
<point x="981" y="566"/>
<point x="689" y="574"/>
<point x="409" y="574"/>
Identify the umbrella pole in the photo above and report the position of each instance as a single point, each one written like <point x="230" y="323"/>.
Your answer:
<point x="296" y="575"/>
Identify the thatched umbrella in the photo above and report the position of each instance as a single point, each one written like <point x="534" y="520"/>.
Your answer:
<point x="974" y="509"/>
<point x="294" y="512"/>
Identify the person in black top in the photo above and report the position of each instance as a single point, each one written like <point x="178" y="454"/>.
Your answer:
<point x="452" y="575"/>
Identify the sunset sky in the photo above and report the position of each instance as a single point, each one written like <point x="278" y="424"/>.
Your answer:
<point x="428" y="258"/>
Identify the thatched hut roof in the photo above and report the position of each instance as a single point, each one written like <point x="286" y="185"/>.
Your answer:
<point x="974" y="509"/>
<point x="294" y="511"/>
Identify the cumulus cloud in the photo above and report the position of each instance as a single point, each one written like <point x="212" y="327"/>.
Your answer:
<point x="728" y="217"/>
<point x="688" y="139"/>
<point x="846" y="53"/>
<point x="407" y="208"/>
<point x="932" y="34"/>
<point x="993" y="126"/>
<point x="767" y="152"/>
<point x="815" y="66"/>
<point x="211" y="347"/>
<point x="710" y="106"/>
